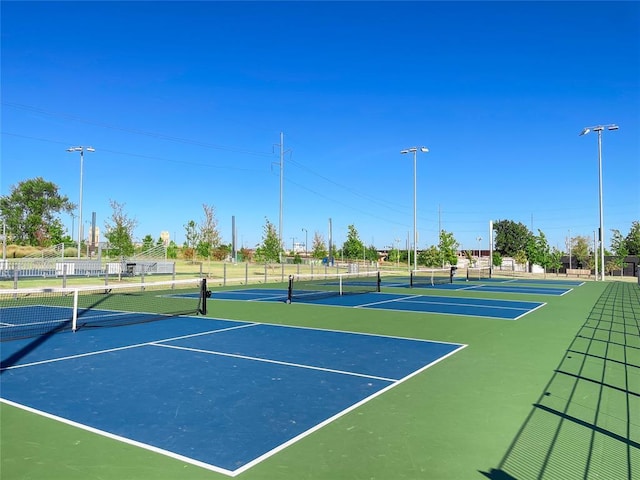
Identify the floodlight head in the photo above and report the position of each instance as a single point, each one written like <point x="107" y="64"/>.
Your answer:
<point x="424" y="149"/>
<point x="91" y="149"/>
<point x="613" y="127"/>
<point x="599" y="128"/>
<point x="584" y="132"/>
<point x="404" y="151"/>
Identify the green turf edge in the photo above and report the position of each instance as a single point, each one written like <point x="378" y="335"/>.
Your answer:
<point x="452" y="421"/>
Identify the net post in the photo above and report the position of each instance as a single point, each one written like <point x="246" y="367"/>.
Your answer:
<point x="379" y="281"/>
<point x="290" y="289"/>
<point x="74" y="318"/>
<point x="202" y="308"/>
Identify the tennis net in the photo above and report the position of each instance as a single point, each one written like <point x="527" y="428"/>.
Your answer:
<point x="311" y="287"/>
<point x="478" y="273"/>
<point x="32" y="312"/>
<point x="430" y="277"/>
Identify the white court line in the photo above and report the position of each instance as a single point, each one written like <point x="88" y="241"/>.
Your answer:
<point x="126" y="347"/>
<point x="380" y="302"/>
<point x="320" y="425"/>
<point x="277" y="362"/>
<point x="121" y="439"/>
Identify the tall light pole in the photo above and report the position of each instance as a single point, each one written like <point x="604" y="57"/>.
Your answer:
<point x="414" y="150"/>
<point x="600" y="129"/>
<point x="306" y="237"/>
<point x="81" y="150"/>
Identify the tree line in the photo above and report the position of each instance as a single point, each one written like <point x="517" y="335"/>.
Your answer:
<point x="31" y="214"/>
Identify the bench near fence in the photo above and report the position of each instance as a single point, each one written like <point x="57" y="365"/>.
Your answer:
<point x="578" y="272"/>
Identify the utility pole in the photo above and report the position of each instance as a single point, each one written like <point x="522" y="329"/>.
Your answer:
<point x="281" y="183"/>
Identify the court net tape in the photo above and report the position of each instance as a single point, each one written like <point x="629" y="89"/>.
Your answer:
<point x="431" y="277"/>
<point x="312" y="287"/>
<point x="30" y="312"/>
<point x="478" y="273"/>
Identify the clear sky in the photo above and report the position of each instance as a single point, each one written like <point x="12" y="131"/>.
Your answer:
<point x="184" y="103"/>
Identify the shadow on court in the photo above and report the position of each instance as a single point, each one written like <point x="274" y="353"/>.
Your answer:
<point x="586" y="423"/>
<point x="44" y="336"/>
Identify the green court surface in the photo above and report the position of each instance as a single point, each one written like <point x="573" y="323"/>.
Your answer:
<point x="513" y="404"/>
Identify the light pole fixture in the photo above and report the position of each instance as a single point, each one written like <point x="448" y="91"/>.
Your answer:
<point x="81" y="150"/>
<point x="305" y="241"/>
<point x="600" y="129"/>
<point x="414" y="150"/>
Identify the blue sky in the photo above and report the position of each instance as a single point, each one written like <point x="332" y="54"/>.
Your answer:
<point x="184" y="103"/>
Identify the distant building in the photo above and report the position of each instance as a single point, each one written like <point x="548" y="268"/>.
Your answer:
<point x="96" y="236"/>
<point x="165" y="237"/>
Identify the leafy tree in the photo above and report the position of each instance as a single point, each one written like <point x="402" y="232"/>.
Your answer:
<point x="147" y="243"/>
<point x="119" y="231"/>
<point x="538" y="250"/>
<point x="448" y="249"/>
<point x="246" y="254"/>
<point x="353" y="248"/>
<point x="520" y="257"/>
<point x="511" y="237"/>
<point x="632" y="240"/>
<point x="555" y="259"/>
<point x="192" y="238"/>
<point x="394" y="255"/>
<point x="30" y="212"/>
<point x="371" y="253"/>
<point x="620" y="251"/>
<point x="431" y="257"/>
<point x="270" y="250"/>
<point x="319" y="250"/>
<point x="581" y="251"/>
<point x="172" y="250"/>
<point x="208" y="235"/>
<point x="496" y="261"/>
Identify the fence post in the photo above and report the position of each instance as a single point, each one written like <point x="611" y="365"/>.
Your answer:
<point x="246" y="273"/>
<point x="224" y="274"/>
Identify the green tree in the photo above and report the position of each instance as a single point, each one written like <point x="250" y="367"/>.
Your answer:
<point x="119" y="231"/>
<point x="147" y="243"/>
<point x="208" y="235"/>
<point x="192" y="238"/>
<point x="511" y="237"/>
<point x="430" y="257"/>
<point x="555" y="259"/>
<point x="353" y="248"/>
<point x="172" y="250"/>
<point x="448" y="250"/>
<point x="620" y="251"/>
<point x="520" y="257"/>
<point x="496" y="261"/>
<point x="30" y="212"/>
<point x="319" y="249"/>
<point x="580" y="251"/>
<point x="632" y="240"/>
<point x="538" y="251"/>
<point x="394" y="255"/>
<point x="270" y="250"/>
<point x="371" y="253"/>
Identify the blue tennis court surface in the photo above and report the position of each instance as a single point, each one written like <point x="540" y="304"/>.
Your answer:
<point x="467" y="306"/>
<point x="219" y="394"/>
<point x="529" y="286"/>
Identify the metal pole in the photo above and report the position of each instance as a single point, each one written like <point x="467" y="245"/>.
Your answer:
<point x="80" y="205"/>
<point x="601" y="235"/>
<point x="281" y="182"/>
<point x="415" y="210"/>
